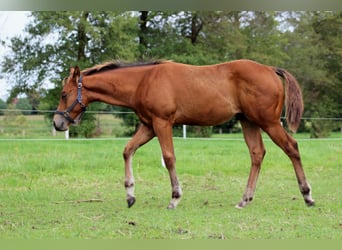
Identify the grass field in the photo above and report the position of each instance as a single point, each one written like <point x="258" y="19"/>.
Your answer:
<point x="46" y="189"/>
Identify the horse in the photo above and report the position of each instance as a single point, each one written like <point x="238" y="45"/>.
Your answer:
<point x="166" y="93"/>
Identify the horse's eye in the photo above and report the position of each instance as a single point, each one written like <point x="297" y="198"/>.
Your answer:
<point x="63" y="95"/>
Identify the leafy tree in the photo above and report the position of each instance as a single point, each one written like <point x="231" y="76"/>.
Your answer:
<point x="3" y="105"/>
<point x="54" y="41"/>
<point x="308" y="44"/>
<point x="264" y="39"/>
<point x="314" y="51"/>
<point x="24" y="105"/>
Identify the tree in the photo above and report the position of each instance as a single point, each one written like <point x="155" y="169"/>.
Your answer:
<point x="314" y="50"/>
<point x="3" y="105"/>
<point x="23" y="105"/>
<point x="307" y="44"/>
<point x="54" y="41"/>
<point x="329" y="27"/>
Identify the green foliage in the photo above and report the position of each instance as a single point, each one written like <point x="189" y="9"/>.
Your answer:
<point x="3" y="105"/>
<point x="264" y="39"/>
<point x="23" y="104"/>
<point x="193" y="131"/>
<point x="84" y="130"/>
<point x="15" y="123"/>
<point x="88" y="124"/>
<point x="130" y="120"/>
<point x="315" y="56"/>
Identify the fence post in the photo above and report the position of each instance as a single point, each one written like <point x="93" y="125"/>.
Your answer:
<point x="67" y="134"/>
<point x="184" y="131"/>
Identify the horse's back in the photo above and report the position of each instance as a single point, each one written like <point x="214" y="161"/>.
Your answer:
<point x="209" y="95"/>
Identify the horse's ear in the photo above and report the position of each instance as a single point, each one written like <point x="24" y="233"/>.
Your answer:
<point x="75" y="72"/>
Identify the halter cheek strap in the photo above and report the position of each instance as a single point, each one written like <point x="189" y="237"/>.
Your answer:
<point x="66" y="113"/>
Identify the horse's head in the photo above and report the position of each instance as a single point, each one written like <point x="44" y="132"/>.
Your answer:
<point x="71" y="107"/>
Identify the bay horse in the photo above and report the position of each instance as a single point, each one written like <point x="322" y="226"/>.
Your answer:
<point x="165" y="93"/>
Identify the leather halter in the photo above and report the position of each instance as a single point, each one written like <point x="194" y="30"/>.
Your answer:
<point x="66" y="113"/>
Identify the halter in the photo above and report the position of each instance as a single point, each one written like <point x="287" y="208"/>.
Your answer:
<point x="66" y="113"/>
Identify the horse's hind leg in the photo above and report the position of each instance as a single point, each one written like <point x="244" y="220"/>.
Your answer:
<point x="252" y="135"/>
<point x="290" y="147"/>
<point x="163" y="130"/>
<point x="142" y="136"/>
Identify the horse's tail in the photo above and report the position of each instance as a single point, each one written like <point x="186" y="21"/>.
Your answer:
<point x="293" y="99"/>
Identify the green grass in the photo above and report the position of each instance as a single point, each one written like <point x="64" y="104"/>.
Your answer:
<point x="36" y="126"/>
<point x="45" y="187"/>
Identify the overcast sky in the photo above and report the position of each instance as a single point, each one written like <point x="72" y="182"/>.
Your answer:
<point x="12" y="23"/>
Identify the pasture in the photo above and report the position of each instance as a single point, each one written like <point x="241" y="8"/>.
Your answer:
<point x="58" y="189"/>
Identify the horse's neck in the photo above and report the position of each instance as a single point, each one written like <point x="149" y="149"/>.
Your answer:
<point x="113" y="89"/>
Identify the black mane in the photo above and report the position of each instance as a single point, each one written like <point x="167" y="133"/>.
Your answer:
<point x="116" y="65"/>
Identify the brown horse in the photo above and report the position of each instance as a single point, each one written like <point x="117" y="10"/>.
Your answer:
<point x="165" y="93"/>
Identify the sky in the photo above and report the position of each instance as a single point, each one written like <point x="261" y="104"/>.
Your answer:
<point x="12" y="23"/>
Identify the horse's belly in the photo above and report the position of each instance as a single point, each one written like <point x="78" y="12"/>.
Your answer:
<point x="205" y="116"/>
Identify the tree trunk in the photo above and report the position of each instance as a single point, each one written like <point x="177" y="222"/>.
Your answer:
<point x="142" y="34"/>
<point x="196" y="27"/>
<point x="82" y="37"/>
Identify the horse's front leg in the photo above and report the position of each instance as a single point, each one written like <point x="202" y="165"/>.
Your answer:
<point x="142" y="136"/>
<point x="163" y="130"/>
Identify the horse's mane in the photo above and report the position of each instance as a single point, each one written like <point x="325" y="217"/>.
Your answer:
<point x="116" y="65"/>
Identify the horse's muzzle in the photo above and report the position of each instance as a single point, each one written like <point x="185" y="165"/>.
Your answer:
<point x="60" y="124"/>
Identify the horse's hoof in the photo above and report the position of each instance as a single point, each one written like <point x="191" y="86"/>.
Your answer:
<point x="241" y="205"/>
<point x="310" y="203"/>
<point x="238" y="206"/>
<point x="130" y="201"/>
<point x="171" y="206"/>
<point x="173" y="203"/>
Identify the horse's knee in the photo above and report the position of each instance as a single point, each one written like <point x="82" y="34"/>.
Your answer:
<point x="127" y="153"/>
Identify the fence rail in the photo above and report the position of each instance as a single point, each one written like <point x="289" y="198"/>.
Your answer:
<point x="21" y="126"/>
<point x="40" y="111"/>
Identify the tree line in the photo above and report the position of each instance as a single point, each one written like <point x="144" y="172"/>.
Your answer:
<point x="308" y="44"/>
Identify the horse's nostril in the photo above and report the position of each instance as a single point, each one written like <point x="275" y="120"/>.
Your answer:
<point x="60" y="127"/>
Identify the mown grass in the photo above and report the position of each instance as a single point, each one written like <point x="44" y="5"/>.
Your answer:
<point x="46" y="188"/>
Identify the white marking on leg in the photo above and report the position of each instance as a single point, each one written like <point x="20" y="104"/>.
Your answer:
<point x="175" y="200"/>
<point x="307" y="197"/>
<point x="129" y="182"/>
<point x="246" y="198"/>
<point x="173" y="203"/>
<point x="130" y="188"/>
<point x="240" y="205"/>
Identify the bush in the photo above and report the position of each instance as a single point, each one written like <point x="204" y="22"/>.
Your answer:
<point x="85" y="128"/>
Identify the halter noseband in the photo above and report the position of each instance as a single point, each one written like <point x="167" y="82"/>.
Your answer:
<point x="66" y="113"/>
